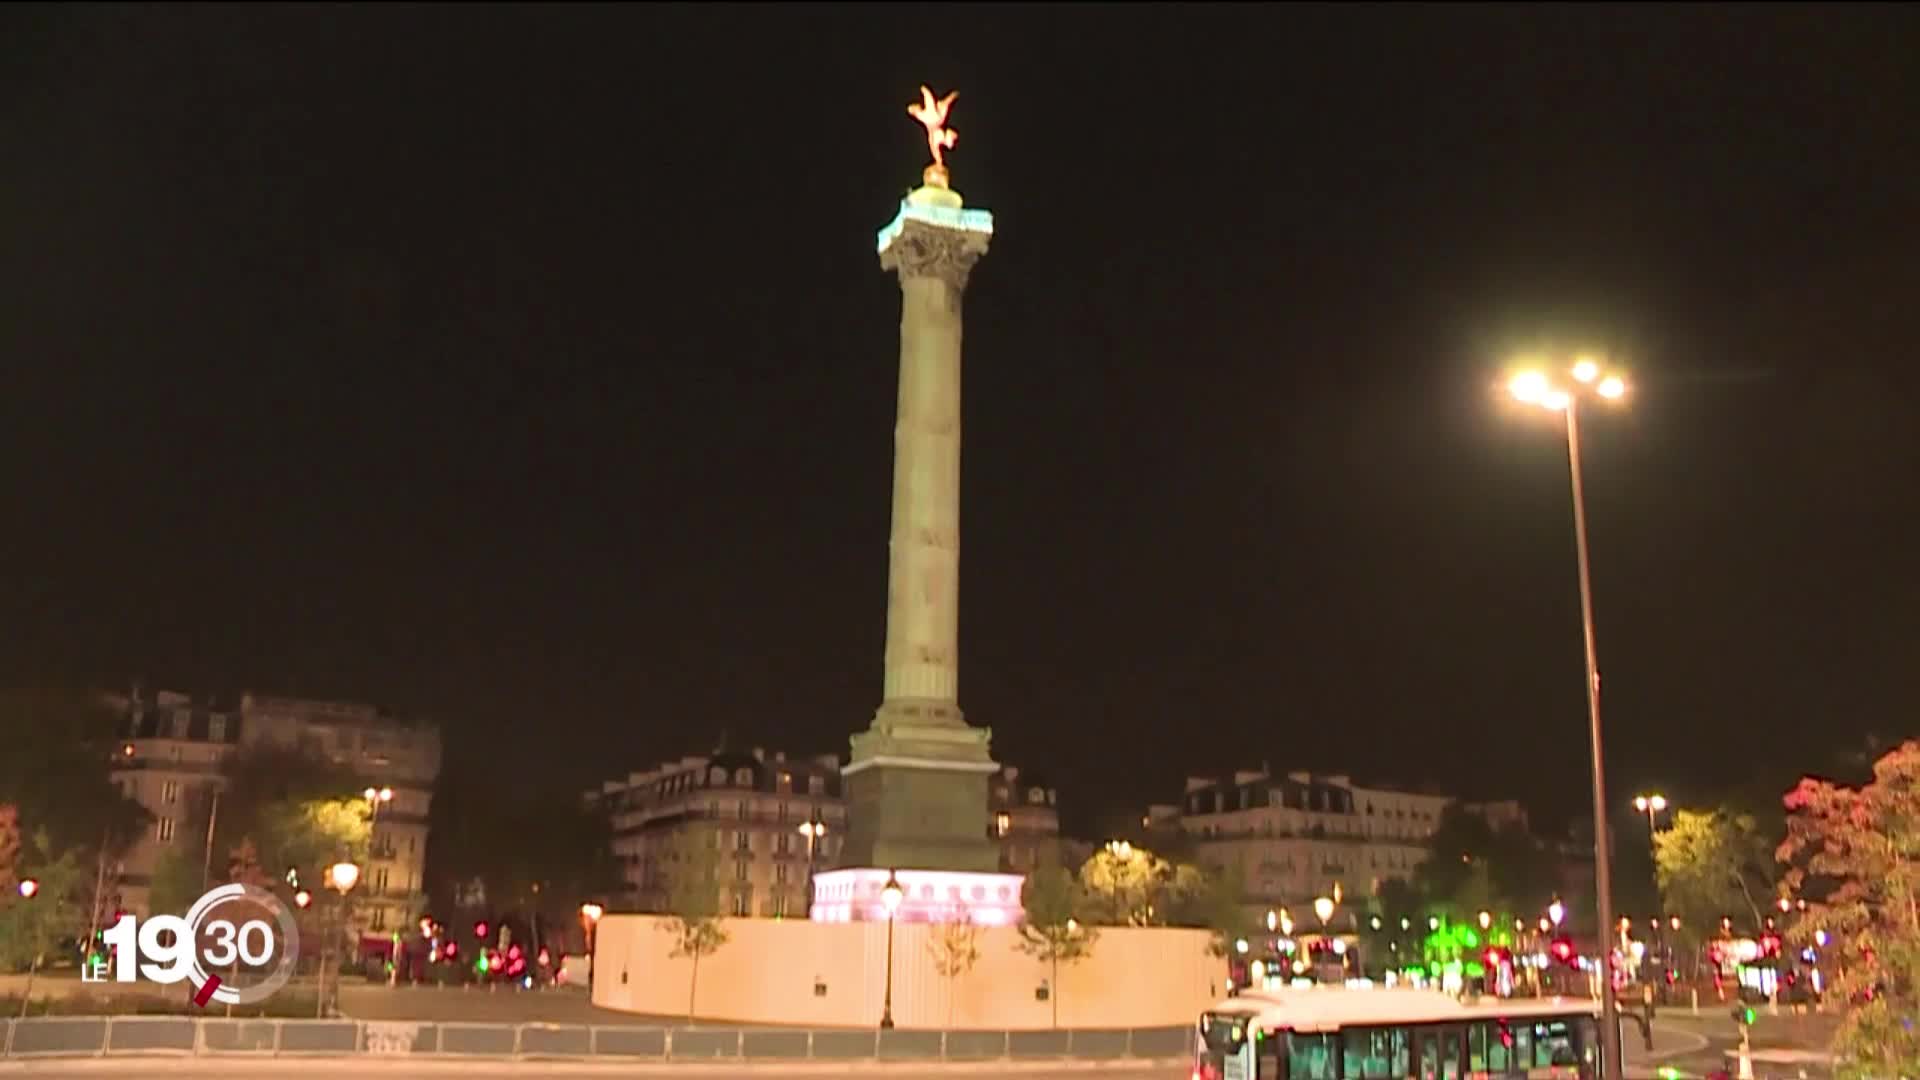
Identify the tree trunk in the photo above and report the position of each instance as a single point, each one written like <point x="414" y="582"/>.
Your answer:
<point x="1053" y="998"/>
<point x="950" y="985"/>
<point x="693" y="987"/>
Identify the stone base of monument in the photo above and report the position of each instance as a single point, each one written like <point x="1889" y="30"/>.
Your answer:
<point x="926" y="896"/>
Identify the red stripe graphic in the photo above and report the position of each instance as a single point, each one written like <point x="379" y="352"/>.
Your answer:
<point x="206" y="991"/>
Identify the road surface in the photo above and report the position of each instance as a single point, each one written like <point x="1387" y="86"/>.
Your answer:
<point x="191" y="1069"/>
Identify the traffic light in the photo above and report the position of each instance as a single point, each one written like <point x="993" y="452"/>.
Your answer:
<point x="302" y="898"/>
<point x="1744" y="1015"/>
<point x="1562" y="950"/>
<point x="480" y="930"/>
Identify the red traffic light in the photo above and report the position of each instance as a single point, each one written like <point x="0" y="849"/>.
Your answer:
<point x="301" y="898"/>
<point x="480" y="929"/>
<point x="1562" y="949"/>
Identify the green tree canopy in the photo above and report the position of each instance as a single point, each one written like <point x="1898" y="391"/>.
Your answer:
<point x="1711" y="864"/>
<point x="30" y="929"/>
<point x="692" y="868"/>
<point x="1052" y="930"/>
<point x="56" y="769"/>
<point x="1471" y="867"/>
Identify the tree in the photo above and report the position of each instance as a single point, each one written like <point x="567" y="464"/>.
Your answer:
<point x="1854" y="855"/>
<point x="55" y="769"/>
<point x="1210" y="900"/>
<point x="176" y="882"/>
<point x="1126" y="886"/>
<point x="1471" y="867"/>
<point x="1711" y="863"/>
<point x="1052" y="930"/>
<point x="955" y="948"/>
<point x="244" y="866"/>
<point x="30" y="928"/>
<point x="693" y="903"/>
<point x="9" y="849"/>
<point x="299" y="810"/>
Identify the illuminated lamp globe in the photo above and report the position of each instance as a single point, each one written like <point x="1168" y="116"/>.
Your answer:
<point x="1586" y="370"/>
<point x="342" y="876"/>
<point x="1611" y="388"/>
<point x="29" y="888"/>
<point x="1556" y="911"/>
<point x="891" y="894"/>
<point x="591" y="912"/>
<point x="1323" y="907"/>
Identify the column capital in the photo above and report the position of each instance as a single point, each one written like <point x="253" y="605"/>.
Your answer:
<point x="921" y="250"/>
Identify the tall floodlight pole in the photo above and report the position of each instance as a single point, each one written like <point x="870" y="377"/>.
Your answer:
<point x="1535" y="388"/>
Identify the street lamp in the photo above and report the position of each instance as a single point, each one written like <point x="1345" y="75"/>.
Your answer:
<point x="1323" y="907"/>
<point x="813" y="830"/>
<point x="890" y="895"/>
<point x="1535" y="388"/>
<point x="1556" y="912"/>
<point x="29" y="888"/>
<point x="341" y="877"/>
<point x="1651" y="805"/>
<point x="1486" y="920"/>
<point x="590" y="919"/>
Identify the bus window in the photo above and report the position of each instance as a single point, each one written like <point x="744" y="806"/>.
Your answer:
<point x="1450" y="1054"/>
<point x="1311" y="1057"/>
<point x="1223" y="1047"/>
<point x="1429" y="1056"/>
<point x="1589" y="1046"/>
<point x="1553" y="1046"/>
<point x="1370" y="1053"/>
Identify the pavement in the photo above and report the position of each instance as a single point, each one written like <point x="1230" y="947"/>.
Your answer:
<point x="1785" y="1046"/>
<point x="481" y="1070"/>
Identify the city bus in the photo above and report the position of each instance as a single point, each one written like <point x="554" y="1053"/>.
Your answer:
<point x="1333" y="1033"/>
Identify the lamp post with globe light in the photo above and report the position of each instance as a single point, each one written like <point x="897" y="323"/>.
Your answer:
<point x="341" y="878"/>
<point x="1651" y="805"/>
<point x="590" y="921"/>
<point x="814" y="830"/>
<point x="1533" y="387"/>
<point x="890" y="895"/>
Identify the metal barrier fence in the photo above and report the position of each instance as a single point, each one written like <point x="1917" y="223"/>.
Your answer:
<point x="97" y="1036"/>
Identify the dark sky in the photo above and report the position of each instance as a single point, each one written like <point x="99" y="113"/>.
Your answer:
<point x="533" y="368"/>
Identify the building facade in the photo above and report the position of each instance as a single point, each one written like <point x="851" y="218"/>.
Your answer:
<point x="174" y="756"/>
<point x="1297" y="836"/>
<point x="1024" y="820"/>
<point x="770" y="820"/>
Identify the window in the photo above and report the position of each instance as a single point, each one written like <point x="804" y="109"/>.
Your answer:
<point x="1553" y="1045"/>
<point x="783" y="811"/>
<point x="217" y="728"/>
<point x="786" y="783"/>
<point x="742" y="903"/>
<point x="781" y="842"/>
<point x="181" y="719"/>
<point x="713" y="840"/>
<point x="743" y="777"/>
<point x="170" y="791"/>
<point x="717" y="778"/>
<point x="816" y="785"/>
<point x="1375" y="1053"/>
<point x="1002" y="824"/>
<point x="380" y="880"/>
<point x="780" y="873"/>
<point x="746" y="840"/>
<point x="740" y="809"/>
<point x="778" y="909"/>
<point x="1310" y="1057"/>
<point x="163" y="830"/>
<point x="740" y="870"/>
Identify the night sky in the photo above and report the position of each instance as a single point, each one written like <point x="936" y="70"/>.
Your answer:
<point x="533" y="369"/>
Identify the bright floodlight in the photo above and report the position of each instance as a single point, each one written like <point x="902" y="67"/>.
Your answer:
<point x="1556" y="400"/>
<point x="1658" y="802"/>
<point x="1611" y="387"/>
<point x="1586" y="370"/>
<point x="1528" y="386"/>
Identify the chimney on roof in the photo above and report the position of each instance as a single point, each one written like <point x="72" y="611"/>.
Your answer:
<point x="1196" y="783"/>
